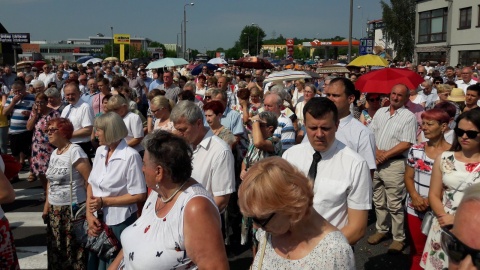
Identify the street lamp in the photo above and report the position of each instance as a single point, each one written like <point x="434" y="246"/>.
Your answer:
<point x="176" y="48"/>
<point x="361" y="23"/>
<point x="349" y="58"/>
<point x="185" y="28"/>
<point x="248" y="40"/>
<point x="111" y="28"/>
<point x="258" y="30"/>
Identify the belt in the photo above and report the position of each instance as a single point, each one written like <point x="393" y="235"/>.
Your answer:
<point x="397" y="157"/>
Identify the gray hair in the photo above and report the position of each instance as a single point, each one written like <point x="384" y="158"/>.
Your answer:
<point x="471" y="193"/>
<point x="52" y="92"/>
<point x="38" y="83"/>
<point x="216" y="91"/>
<point x="187" y="109"/>
<point x="190" y="84"/>
<point x="279" y="100"/>
<point x="114" y="129"/>
<point x="242" y="84"/>
<point x="270" y="118"/>
<point x="280" y="91"/>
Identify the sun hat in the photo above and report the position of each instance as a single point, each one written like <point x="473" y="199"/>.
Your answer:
<point x="457" y="95"/>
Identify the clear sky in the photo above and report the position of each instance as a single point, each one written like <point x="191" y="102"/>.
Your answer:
<point x="211" y="24"/>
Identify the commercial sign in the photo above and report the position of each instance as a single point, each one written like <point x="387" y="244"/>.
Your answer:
<point x="15" y="38"/>
<point x="121" y="38"/>
<point x="290" y="44"/>
<point x="366" y="46"/>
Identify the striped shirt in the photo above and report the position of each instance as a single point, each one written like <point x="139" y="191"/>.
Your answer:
<point x="390" y="130"/>
<point x="285" y="132"/>
<point x="18" y="122"/>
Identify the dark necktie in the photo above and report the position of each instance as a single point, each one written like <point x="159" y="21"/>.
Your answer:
<point x="312" y="173"/>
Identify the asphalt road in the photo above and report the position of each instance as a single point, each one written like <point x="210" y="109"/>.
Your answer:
<point x="29" y="232"/>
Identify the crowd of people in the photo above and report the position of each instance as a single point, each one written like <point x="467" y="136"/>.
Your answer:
<point x="182" y="168"/>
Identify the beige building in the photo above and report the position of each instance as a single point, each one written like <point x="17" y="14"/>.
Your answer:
<point x="447" y="31"/>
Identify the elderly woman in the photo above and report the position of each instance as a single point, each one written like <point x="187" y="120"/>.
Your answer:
<point x="161" y="107"/>
<point x="180" y="222"/>
<point x="55" y="100"/>
<point x="67" y="173"/>
<point x="373" y="104"/>
<point x="116" y="183"/>
<point x="417" y="177"/>
<point x="308" y="93"/>
<point x="41" y="148"/>
<point x="8" y="253"/>
<point x="298" y="92"/>
<point x="200" y="86"/>
<point x="291" y="233"/>
<point x="213" y="114"/>
<point x="133" y="122"/>
<point x="452" y="172"/>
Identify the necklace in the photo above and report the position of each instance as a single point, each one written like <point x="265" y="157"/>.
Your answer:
<point x="64" y="148"/>
<point x="174" y="193"/>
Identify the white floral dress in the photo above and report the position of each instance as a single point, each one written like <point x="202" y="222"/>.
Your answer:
<point x="455" y="180"/>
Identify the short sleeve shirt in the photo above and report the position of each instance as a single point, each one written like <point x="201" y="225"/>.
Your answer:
<point x="18" y="122"/>
<point x="135" y="129"/>
<point x="81" y="116"/>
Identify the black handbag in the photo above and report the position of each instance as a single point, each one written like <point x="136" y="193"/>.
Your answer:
<point x="105" y="245"/>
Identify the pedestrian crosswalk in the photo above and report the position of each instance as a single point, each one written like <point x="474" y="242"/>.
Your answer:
<point x="25" y="217"/>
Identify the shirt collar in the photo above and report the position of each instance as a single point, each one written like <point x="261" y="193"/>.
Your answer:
<point x="206" y="139"/>
<point x="345" y="120"/>
<point x="325" y="154"/>
<point x="119" y="153"/>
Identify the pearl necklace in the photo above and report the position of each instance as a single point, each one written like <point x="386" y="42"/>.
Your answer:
<point x="174" y="193"/>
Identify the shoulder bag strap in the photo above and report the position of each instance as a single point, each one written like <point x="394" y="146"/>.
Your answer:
<point x="262" y="251"/>
<point x="71" y="183"/>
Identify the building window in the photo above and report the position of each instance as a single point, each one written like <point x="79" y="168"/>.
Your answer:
<point x="465" y="18"/>
<point x="433" y="26"/>
<point x="432" y="56"/>
<point x="466" y="58"/>
<point x="478" y="23"/>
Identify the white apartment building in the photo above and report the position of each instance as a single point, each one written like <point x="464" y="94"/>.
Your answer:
<point x="447" y="31"/>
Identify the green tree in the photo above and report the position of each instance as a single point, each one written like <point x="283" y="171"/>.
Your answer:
<point x="249" y="36"/>
<point x="281" y="53"/>
<point x="399" y="19"/>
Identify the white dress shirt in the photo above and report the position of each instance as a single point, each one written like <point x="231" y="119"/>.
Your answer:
<point x="213" y="165"/>
<point x="343" y="180"/>
<point x="81" y="116"/>
<point x="123" y="174"/>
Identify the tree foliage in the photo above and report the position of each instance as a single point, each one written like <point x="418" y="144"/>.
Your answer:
<point x="249" y="36"/>
<point x="399" y="19"/>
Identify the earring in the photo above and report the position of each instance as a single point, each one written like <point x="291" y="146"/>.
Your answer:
<point x="157" y="186"/>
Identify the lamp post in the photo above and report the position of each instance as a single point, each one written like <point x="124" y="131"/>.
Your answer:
<point x="181" y="39"/>
<point x="111" y="28"/>
<point x="349" y="58"/>
<point x="248" y="40"/>
<point x="176" y="48"/>
<point x="258" y="30"/>
<point x="361" y="23"/>
<point x="185" y="28"/>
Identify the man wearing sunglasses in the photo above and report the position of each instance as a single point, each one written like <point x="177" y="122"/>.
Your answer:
<point x="461" y="242"/>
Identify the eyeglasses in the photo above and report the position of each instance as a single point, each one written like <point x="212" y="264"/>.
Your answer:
<point x="154" y="111"/>
<point x="40" y="102"/>
<point x="421" y="73"/>
<point x="208" y="97"/>
<point x="51" y="130"/>
<point x="456" y="250"/>
<point x="374" y="99"/>
<point x="471" y="134"/>
<point x="89" y="73"/>
<point x="263" y="222"/>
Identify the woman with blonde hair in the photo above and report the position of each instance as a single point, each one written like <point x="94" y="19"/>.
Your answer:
<point x="161" y="107"/>
<point x="298" y="93"/>
<point x="292" y="235"/>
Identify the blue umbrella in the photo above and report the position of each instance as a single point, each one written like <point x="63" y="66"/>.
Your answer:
<point x="84" y="59"/>
<point x="198" y="69"/>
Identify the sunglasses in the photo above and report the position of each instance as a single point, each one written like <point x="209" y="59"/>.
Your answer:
<point x="374" y="99"/>
<point x="421" y="73"/>
<point x="438" y="82"/>
<point x="263" y="222"/>
<point x="471" y="134"/>
<point x="154" y="111"/>
<point x="456" y="250"/>
<point x="208" y="97"/>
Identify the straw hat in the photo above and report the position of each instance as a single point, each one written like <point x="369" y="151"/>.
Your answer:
<point x="456" y="95"/>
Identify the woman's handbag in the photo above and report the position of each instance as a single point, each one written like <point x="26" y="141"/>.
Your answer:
<point x="105" y="245"/>
<point x="427" y="222"/>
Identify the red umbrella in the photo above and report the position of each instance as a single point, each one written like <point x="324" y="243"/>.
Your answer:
<point x="382" y="80"/>
<point x="253" y="62"/>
